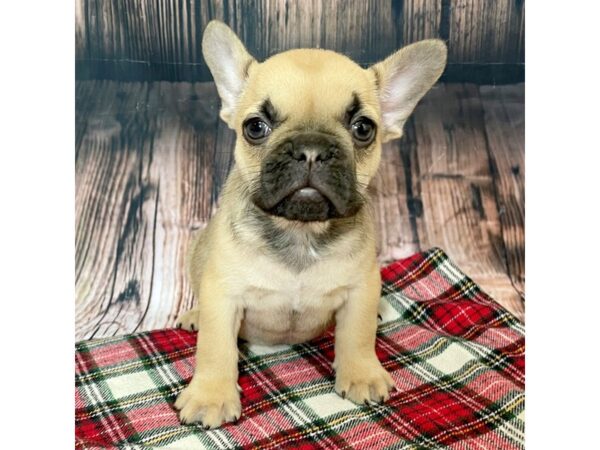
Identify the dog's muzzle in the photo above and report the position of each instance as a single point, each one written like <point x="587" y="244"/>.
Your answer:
<point x="308" y="178"/>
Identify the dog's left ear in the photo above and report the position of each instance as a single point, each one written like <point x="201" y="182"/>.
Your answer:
<point x="228" y="61"/>
<point x="404" y="78"/>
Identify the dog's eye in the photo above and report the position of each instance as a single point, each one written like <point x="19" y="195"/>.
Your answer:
<point x="363" y="131"/>
<point x="256" y="130"/>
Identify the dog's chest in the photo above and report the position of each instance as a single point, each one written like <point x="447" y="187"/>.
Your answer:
<point x="296" y="312"/>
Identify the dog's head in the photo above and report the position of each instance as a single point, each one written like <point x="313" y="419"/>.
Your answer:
<point x="310" y="123"/>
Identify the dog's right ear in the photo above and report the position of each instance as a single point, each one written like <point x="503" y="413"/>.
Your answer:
<point x="228" y="61"/>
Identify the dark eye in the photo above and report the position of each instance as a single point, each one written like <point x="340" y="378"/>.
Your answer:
<point x="256" y="130"/>
<point x="363" y="131"/>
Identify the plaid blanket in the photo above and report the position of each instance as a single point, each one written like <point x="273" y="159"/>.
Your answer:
<point x="457" y="358"/>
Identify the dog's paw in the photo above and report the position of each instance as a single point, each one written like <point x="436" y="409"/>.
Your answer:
<point x="210" y="403"/>
<point x="363" y="383"/>
<point x="188" y="320"/>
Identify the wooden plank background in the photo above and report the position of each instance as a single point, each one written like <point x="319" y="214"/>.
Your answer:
<point x="151" y="158"/>
<point x="156" y="40"/>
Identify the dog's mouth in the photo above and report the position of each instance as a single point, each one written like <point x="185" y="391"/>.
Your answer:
<point x="306" y="204"/>
<point x="309" y="203"/>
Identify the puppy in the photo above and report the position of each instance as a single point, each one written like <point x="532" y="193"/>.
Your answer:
<point x="291" y="249"/>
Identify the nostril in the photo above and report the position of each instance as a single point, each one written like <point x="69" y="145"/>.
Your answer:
<point x="312" y="155"/>
<point x="325" y="155"/>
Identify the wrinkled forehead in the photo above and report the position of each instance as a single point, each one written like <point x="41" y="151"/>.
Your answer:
<point x="310" y="85"/>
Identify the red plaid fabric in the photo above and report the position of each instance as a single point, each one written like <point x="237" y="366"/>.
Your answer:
<point x="457" y="358"/>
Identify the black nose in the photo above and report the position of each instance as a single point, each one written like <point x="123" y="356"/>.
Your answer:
<point x="309" y="148"/>
<point x="312" y="154"/>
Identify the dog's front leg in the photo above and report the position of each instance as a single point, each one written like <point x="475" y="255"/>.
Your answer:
<point x="360" y="376"/>
<point x="212" y="396"/>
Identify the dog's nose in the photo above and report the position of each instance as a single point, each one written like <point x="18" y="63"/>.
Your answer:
<point x="312" y="154"/>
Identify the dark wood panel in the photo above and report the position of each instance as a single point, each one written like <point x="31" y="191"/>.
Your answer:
<point x="160" y="40"/>
<point x="116" y="199"/>
<point x="490" y="31"/>
<point x="455" y="186"/>
<point x="421" y="19"/>
<point x="143" y="185"/>
<point x="393" y="202"/>
<point x="504" y="108"/>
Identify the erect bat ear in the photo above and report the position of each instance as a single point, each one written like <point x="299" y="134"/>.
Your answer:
<point x="228" y="61"/>
<point x="404" y="78"/>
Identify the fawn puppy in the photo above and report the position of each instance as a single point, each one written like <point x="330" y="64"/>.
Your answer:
<point x="291" y="249"/>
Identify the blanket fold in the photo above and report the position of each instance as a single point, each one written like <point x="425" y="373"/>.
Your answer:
<point x="456" y="355"/>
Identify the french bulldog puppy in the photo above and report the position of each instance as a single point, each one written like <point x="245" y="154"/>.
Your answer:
<point x="291" y="249"/>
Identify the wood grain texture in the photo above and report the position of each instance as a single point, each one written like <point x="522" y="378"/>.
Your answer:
<point x="454" y="182"/>
<point x="161" y="39"/>
<point x="421" y="20"/>
<point x="486" y="31"/>
<point x="143" y="184"/>
<point x="505" y="130"/>
<point x="151" y="159"/>
<point x="396" y="207"/>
